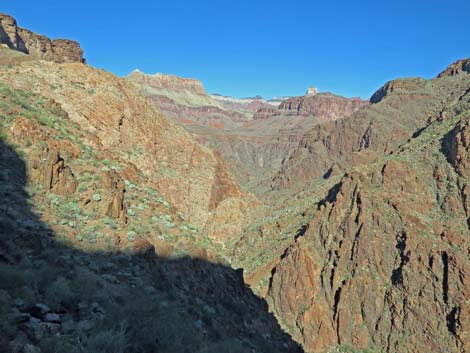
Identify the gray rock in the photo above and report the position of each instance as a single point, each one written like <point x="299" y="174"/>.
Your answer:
<point x="53" y="318"/>
<point x="109" y="266"/>
<point x="21" y="318"/>
<point x="149" y="290"/>
<point x="96" y="308"/>
<point x="110" y="278"/>
<point x="83" y="309"/>
<point x="4" y="296"/>
<point x="19" y="303"/>
<point x="69" y="326"/>
<point x="52" y="329"/>
<point x="29" y="348"/>
<point x="64" y="260"/>
<point x="198" y="324"/>
<point x="137" y="281"/>
<point x="122" y="258"/>
<point x="19" y="342"/>
<point x="84" y="325"/>
<point x="38" y="310"/>
<point x="93" y="266"/>
<point x="34" y="329"/>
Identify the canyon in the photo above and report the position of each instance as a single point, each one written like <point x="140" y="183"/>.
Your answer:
<point x="253" y="135"/>
<point x="141" y="213"/>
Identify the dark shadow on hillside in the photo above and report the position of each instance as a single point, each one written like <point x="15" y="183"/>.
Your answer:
<point x="54" y="298"/>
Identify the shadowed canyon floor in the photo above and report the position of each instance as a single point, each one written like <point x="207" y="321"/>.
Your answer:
<point x="141" y="214"/>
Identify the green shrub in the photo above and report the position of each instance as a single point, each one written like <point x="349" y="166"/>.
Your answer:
<point x="131" y="236"/>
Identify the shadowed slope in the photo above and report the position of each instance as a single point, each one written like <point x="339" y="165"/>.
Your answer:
<point x="114" y="302"/>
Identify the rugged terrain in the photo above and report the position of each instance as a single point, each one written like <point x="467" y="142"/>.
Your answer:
<point x="255" y="136"/>
<point x="110" y="235"/>
<point x="36" y="45"/>
<point x="376" y="258"/>
<point x="127" y="224"/>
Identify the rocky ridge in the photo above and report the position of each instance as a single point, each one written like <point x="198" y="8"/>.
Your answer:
<point x="325" y="106"/>
<point x="39" y="46"/>
<point x="398" y="109"/>
<point x="459" y="66"/>
<point x="168" y="82"/>
<point x="376" y="258"/>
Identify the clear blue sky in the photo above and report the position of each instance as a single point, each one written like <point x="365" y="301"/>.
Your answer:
<point x="243" y="48"/>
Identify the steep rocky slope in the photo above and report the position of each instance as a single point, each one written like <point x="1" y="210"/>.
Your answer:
<point x="112" y="224"/>
<point x="39" y="46"/>
<point x="379" y="262"/>
<point x="372" y="132"/>
<point x="60" y="294"/>
<point x="117" y="122"/>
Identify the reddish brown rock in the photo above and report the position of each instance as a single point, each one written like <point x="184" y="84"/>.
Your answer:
<point x="57" y="177"/>
<point x="116" y="207"/>
<point x="122" y="124"/>
<point x="325" y="106"/>
<point x="404" y="86"/>
<point x="36" y="45"/>
<point x="460" y="66"/>
<point x="400" y="109"/>
<point x="457" y="146"/>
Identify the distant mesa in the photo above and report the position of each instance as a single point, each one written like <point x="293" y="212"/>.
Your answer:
<point x="311" y="91"/>
<point x="36" y="45"/>
<point x="326" y="106"/>
<point x="168" y="82"/>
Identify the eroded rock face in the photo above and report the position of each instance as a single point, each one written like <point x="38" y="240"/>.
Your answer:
<point x="39" y="46"/>
<point x="375" y="274"/>
<point x="122" y="124"/>
<point x="383" y="254"/>
<point x="456" y="68"/>
<point x="457" y="147"/>
<point x="400" y="108"/>
<point x="116" y="208"/>
<point x="169" y="82"/>
<point x="57" y="177"/>
<point x="404" y="86"/>
<point x="325" y="105"/>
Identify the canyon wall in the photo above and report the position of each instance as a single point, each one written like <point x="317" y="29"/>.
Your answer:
<point x="39" y="46"/>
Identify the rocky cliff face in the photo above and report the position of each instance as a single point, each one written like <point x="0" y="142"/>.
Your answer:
<point x="168" y="82"/>
<point x="375" y="258"/>
<point x="409" y="86"/>
<point x="378" y="273"/>
<point x="84" y="269"/>
<point x="460" y="66"/>
<point x="39" y="46"/>
<point x="400" y="108"/>
<point x="325" y="106"/>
